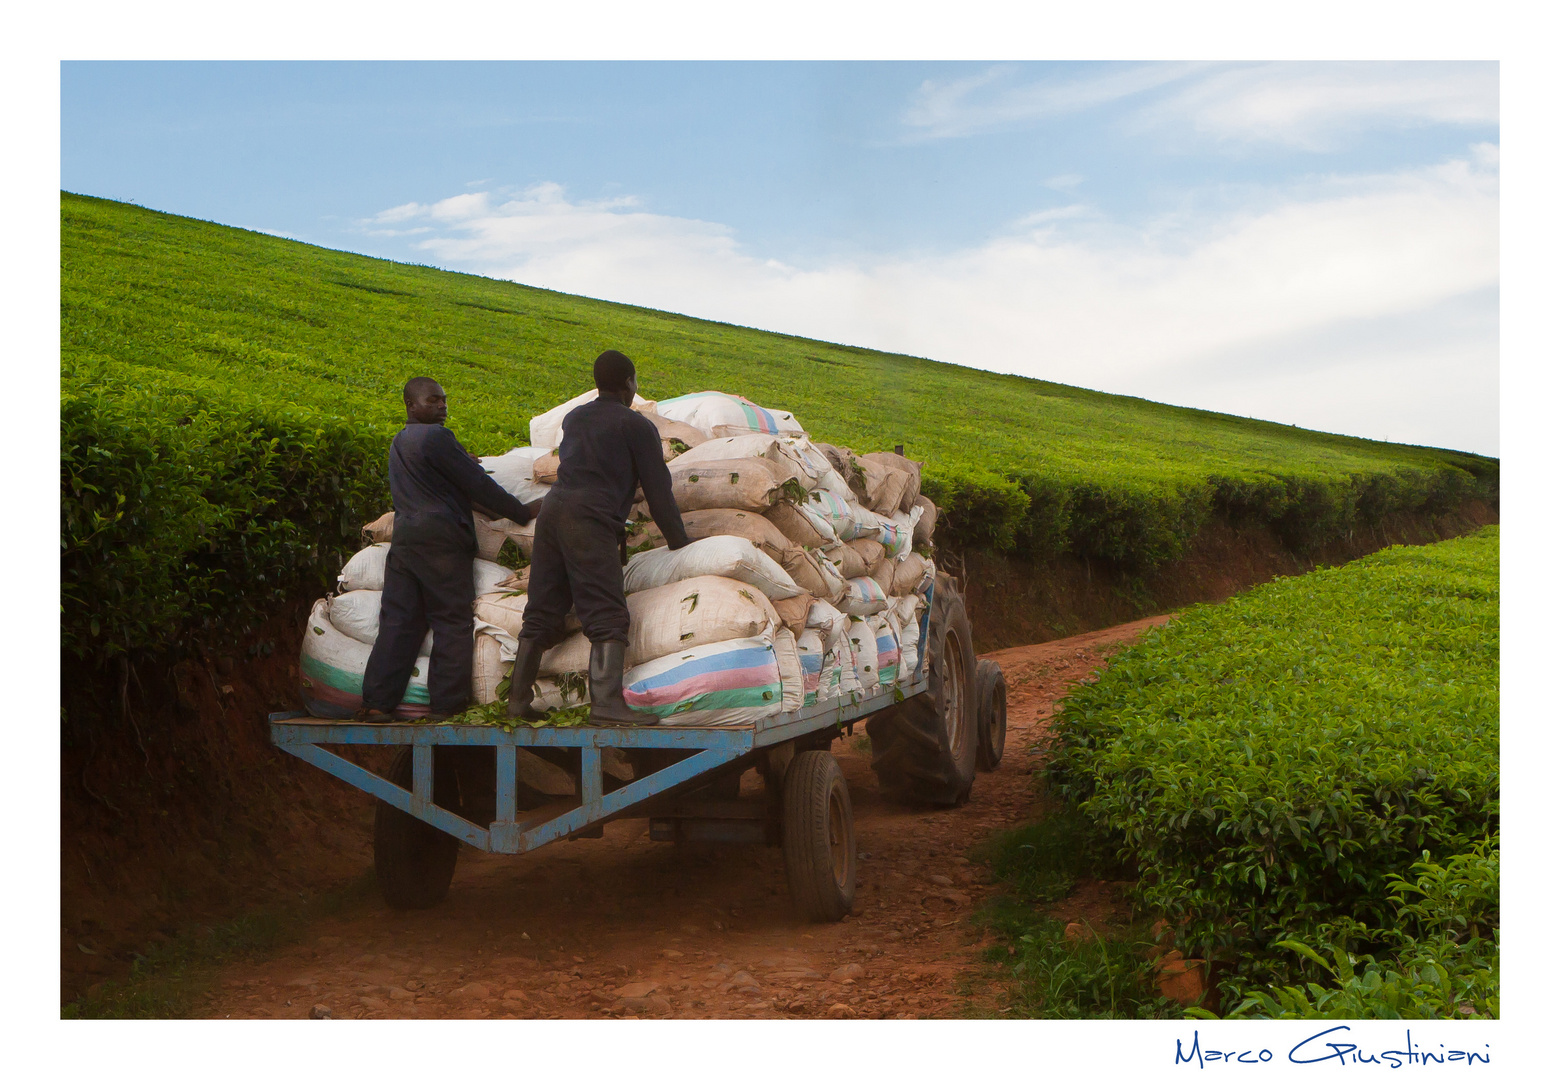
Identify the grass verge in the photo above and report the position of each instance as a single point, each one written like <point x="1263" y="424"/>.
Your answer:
<point x="1105" y="974"/>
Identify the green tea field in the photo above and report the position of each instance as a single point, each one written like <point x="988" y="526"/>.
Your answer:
<point x="227" y="397"/>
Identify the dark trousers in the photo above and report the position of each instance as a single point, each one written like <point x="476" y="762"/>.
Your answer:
<point x="575" y="562"/>
<point x="425" y="586"/>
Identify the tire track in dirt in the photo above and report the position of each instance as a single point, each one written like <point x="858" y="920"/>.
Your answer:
<point x="622" y="926"/>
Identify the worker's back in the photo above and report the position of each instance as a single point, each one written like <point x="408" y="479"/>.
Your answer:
<point x="605" y="444"/>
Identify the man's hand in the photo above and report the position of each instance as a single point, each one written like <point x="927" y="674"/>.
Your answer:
<point x="475" y="458"/>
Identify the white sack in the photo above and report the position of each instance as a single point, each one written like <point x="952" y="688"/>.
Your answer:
<point x="727" y="684"/>
<point x="356" y="614"/>
<point x="790" y="664"/>
<point x="719" y="415"/>
<point x="331" y="665"/>
<point x="512" y="472"/>
<point x="863" y="597"/>
<point x="366" y="570"/>
<point x="862" y="638"/>
<point x="723" y="556"/>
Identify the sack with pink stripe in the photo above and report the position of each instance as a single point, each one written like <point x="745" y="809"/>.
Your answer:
<point x="728" y="683"/>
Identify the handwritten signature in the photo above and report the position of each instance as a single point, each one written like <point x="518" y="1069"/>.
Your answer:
<point x="1318" y="1048"/>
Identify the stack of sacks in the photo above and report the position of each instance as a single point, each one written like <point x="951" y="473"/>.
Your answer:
<point x="342" y="630"/>
<point x="801" y="585"/>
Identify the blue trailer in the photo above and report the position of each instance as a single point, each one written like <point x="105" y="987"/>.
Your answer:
<point x="453" y="783"/>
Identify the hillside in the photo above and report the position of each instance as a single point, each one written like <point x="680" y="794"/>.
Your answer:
<point x="1037" y="463"/>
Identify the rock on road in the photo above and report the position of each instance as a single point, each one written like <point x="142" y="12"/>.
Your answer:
<point x="622" y="926"/>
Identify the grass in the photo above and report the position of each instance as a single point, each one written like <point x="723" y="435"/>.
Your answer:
<point x="1108" y="975"/>
<point x="172" y="978"/>
<point x="1022" y="463"/>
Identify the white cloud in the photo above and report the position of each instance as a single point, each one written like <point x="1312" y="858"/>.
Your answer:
<point x="1313" y="105"/>
<point x="1230" y="314"/>
<point x="1307" y="105"/>
<point x="955" y="107"/>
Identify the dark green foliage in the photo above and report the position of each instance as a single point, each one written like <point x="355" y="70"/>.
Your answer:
<point x="188" y="510"/>
<point x="1442" y="960"/>
<point x="1272" y="763"/>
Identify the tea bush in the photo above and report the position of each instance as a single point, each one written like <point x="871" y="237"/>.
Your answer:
<point x="1275" y="763"/>
<point x="188" y="510"/>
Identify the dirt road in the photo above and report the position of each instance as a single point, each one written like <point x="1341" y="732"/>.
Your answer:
<point x="624" y="926"/>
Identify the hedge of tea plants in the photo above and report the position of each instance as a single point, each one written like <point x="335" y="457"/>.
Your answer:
<point x="188" y="509"/>
<point x="1276" y="763"/>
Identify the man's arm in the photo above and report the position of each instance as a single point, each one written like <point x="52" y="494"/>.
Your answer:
<point x="469" y="478"/>
<point x="644" y="443"/>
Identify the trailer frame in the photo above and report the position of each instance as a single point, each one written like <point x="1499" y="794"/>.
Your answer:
<point x="514" y="832"/>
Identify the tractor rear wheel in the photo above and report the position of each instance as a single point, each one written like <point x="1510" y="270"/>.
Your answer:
<point x="924" y="749"/>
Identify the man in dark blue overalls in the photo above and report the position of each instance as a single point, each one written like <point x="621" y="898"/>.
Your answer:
<point x="435" y="483"/>
<point x="607" y="451"/>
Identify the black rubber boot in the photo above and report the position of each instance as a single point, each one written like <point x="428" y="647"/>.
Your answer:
<point x="522" y="681"/>
<point x="606" y="688"/>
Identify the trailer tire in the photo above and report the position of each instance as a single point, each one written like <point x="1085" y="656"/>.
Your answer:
<point x="924" y="749"/>
<point x="819" y="837"/>
<point x="990" y="713"/>
<point x="413" y="861"/>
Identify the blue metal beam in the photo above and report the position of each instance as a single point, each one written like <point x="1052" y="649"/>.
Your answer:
<point x="605" y="806"/>
<point x="397" y="797"/>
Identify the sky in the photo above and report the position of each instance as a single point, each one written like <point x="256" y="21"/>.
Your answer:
<point x="1310" y="243"/>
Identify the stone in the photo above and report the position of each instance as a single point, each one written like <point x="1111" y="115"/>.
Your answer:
<point x="398" y="994"/>
<point x="473" y="990"/>
<point x="658" y="1005"/>
<point x="940" y="879"/>
<point x="328" y="941"/>
<point x="371" y="1002"/>
<point x="671" y="954"/>
<point x="638" y="989"/>
<point x="1076" y="932"/>
<point x="321" y="1012"/>
<point x="741" y="980"/>
<point x="841" y="1011"/>
<point x="847" y="973"/>
<point x="1181" y="980"/>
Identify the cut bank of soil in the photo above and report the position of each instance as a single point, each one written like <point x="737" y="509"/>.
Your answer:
<point x="626" y="926"/>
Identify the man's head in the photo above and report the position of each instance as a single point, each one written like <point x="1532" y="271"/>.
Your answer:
<point x="615" y="376"/>
<point x="425" y="402"/>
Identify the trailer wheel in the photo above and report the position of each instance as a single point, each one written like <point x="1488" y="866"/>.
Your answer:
<point x="991" y="714"/>
<point x="819" y="837"/>
<point x="924" y="749"/>
<point x="413" y="861"/>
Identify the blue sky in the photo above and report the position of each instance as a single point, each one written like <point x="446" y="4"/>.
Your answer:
<point x="1309" y="243"/>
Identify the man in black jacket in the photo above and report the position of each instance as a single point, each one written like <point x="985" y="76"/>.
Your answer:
<point x="435" y="483"/>
<point x="607" y="451"/>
